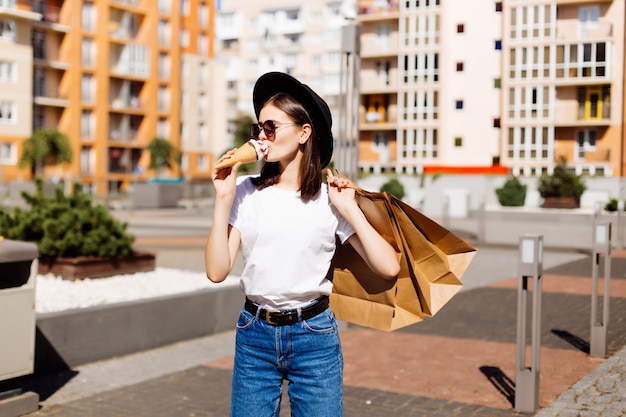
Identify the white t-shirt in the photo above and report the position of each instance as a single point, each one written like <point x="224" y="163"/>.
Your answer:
<point x="287" y="244"/>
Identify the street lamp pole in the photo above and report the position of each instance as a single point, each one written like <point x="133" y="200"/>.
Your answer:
<point x="346" y="147"/>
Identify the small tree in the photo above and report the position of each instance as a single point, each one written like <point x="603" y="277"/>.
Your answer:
<point x="512" y="193"/>
<point x="241" y="134"/>
<point x="45" y="147"/>
<point x="163" y="154"/>
<point x="393" y="187"/>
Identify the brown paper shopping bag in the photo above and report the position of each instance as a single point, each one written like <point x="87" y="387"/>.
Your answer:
<point x="432" y="261"/>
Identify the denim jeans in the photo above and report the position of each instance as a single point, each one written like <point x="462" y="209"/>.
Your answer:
<point x="306" y="354"/>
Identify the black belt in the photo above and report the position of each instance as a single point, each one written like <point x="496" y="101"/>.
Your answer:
<point x="287" y="317"/>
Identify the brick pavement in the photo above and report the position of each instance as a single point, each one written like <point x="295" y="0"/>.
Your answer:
<point x="459" y="363"/>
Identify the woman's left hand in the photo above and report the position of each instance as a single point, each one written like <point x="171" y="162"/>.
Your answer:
<point x="340" y="191"/>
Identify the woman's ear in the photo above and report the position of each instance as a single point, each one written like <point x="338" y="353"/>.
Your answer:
<point x="305" y="133"/>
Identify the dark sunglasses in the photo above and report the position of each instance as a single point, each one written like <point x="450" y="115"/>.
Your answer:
<point x="269" y="128"/>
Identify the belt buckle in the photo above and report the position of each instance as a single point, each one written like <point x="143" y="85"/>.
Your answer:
<point x="268" y="319"/>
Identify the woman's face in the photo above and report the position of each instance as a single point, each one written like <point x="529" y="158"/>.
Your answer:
<point x="288" y="137"/>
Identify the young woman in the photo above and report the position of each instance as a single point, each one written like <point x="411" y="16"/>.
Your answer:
<point x="286" y="221"/>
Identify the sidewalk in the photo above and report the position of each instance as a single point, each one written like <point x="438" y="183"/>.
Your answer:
<point x="459" y="363"/>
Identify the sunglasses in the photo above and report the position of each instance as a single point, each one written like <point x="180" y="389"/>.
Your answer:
<point x="269" y="128"/>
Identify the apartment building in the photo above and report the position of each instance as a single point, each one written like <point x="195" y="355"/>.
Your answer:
<point x="300" y="38"/>
<point x="111" y="75"/>
<point x="16" y="80"/>
<point x="492" y="87"/>
<point x="430" y="97"/>
<point x="563" y="86"/>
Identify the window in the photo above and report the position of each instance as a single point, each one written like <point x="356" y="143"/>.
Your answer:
<point x="460" y="28"/>
<point x="85" y="124"/>
<point x="7" y="30"/>
<point x="458" y="104"/>
<point x="184" y="38"/>
<point x="8" y="153"/>
<point x="589" y="16"/>
<point x="7" y="72"/>
<point x="496" y="122"/>
<point x="498" y="45"/>
<point x="203" y="15"/>
<point x="7" y="112"/>
<point x="9" y="4"/>
<point x="459" y="67"/>
<point x="164" y="33"/>
<point x="39" y="117"/>
<point x="203" y="164"/>
<point x="458" y="142"/>
<point x="86" y="160"/>
<point x="164" y="66"/>
<point x="164" y="6"/>
<point x="86" y="88"/>
<point x="88" y="52"/>
<point x="497" y="83"/>
<point x="203" y="45"/>
<point x="184" y="7"/>
<point x="585" y="142"/>
<point x="88" y="17"/>
<point x="498" y="6"/>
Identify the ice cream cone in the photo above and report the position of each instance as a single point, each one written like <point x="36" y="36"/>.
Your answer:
<point x="245" y="154"/>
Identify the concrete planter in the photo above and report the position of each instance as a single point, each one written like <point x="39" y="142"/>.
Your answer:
<point x="72" y="338"/>
<point x="156" y="195"/>
<point x="98" y="267"/>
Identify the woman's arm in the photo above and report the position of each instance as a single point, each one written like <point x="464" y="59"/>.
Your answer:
<point x="367" y="242"/>
<point x="223" y="242"/>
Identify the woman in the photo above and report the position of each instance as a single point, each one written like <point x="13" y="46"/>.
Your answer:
<point x="286" y="222"/>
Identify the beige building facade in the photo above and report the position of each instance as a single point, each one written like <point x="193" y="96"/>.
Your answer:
<point x="491" y="86"/>
<point x="563" y="86"/>
<point x="300" y="38"/>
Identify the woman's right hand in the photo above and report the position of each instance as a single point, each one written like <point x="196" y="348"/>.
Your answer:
<point x="224" y="180"/>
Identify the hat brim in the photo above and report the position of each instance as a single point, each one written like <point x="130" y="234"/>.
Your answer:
<point x="277" y="82"/>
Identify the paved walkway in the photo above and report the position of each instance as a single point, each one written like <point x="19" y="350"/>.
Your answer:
<point x="459" y="363"/>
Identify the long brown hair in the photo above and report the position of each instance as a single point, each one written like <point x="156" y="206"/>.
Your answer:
<point x="310" y="174"/>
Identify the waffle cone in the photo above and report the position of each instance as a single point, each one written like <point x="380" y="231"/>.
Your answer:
<point x="244" y="154"/>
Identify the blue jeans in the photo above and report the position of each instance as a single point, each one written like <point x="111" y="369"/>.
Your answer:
<point x="306" y="354"/>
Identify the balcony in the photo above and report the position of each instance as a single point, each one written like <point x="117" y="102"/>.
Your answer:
<point x="569" y="113"/>
<point x="130" y="60"/>
<point x="378" y="11"/>
<point x="574" y="31"/>
<point x="49" y="96"/>
<point x="123" y="25"/>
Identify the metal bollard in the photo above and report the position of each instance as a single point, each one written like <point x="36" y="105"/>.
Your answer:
<point x="527" y="375"/>
<point x="601" y="245"/>
<point x="482" y="221"/>
<point x="620" y="231"/>
<point x="445" y="212"/>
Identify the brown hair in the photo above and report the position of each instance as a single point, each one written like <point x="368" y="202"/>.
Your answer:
<point x="310" y="174"/>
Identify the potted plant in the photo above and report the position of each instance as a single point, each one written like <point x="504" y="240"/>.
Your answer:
<point x="159" y="192"/>
<point x="561" y="189"/>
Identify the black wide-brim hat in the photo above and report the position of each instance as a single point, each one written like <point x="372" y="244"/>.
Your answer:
<point x="277" y="82"/>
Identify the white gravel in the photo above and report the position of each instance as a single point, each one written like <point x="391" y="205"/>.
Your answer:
<point x="53" y="293"/>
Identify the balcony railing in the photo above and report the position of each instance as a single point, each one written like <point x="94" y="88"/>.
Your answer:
<point x="576" y="31"/>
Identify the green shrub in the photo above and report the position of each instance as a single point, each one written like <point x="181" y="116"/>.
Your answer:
<point x="393" y="187"/>
<point x="611" y="205"/>
<point x="66" y="226"/>
<point x="562" y="183"/>
<point x="512" y="193"/>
